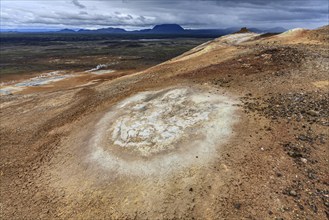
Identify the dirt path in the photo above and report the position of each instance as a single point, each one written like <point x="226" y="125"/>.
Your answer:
<point x="271" y="162"/>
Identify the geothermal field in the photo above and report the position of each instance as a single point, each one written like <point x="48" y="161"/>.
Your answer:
<point x="230" y="128"/>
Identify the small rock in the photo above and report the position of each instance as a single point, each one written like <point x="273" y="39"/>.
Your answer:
<point x="303" y="138"/>
<point x="286" y="208"/>
<point x="293" y="193"/>
<point x="314" y="208"/>
<point x="237" y="205"/>
<point x="301" y="207"/>
<point x="291" y="153"/>
<point x="311" y="176"/>
<point x="313" y="113"/>
<point x="303" y="160"/>
<point x="294" y="154"/>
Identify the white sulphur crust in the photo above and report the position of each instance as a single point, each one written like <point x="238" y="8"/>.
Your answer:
<point x="161" y="131"/>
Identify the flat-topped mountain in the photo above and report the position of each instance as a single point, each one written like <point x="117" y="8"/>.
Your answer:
<point x="167" y="28"/>
<point x="104" y="30"/>
<point x="66" y="30"/>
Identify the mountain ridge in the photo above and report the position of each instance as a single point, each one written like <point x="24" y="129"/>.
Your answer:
<point x="166" y="29"/>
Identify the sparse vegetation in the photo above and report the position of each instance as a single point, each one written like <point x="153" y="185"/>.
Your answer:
<point x="30" y="53"/>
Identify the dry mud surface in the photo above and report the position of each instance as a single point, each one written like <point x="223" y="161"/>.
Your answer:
<point x="236" y="128"/>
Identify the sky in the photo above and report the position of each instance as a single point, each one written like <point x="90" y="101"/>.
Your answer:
<point x="139" y="14"/>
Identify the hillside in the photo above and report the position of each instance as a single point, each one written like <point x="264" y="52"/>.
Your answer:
<point x="236" y="128"/>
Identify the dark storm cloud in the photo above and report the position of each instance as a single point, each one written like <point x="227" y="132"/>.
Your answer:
<point x="86" y="19"/>
<point x="78" y="4"/>
<point x="146" y="13"/>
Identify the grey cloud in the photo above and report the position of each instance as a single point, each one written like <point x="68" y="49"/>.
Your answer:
<point x="64" y="18"/>
<point x="188" y="13"/>
<point x="221" y="13"/>
<point x="78" y="4"/>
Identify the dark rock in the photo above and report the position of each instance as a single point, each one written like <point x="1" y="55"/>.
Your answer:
<point x="237" y="205"/>
<point x="307" y="107"/>
<point x="311" y="176"/>
<point x="294" y="154"/>
<point x="243" y="30"/>
<point x="301" y="207"/>
<point x="278" y="174"/>
<point x="314" y="208"/>
<point x="303" y="137"/>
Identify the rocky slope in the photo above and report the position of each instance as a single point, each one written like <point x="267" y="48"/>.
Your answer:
<point x="258" y="151"/>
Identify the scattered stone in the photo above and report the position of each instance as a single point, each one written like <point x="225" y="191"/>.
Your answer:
<point x="313" y="113"/>
<point x="191" y="189"/>
<point x="294" y="154"/>
<point x="278" y="174"/>
<point x="237" y="205"/>
<point x="314" y="208"/>
<point x="306" y="138"/>
<point x="297" y="150"/>
<point x="286" y="209"/>
<point x="311" y="176"/>
<point x="309" y="107"/>
<point x="301" y="207"/>
<point x="292" y="193"/>
<point x="303" y="160"/>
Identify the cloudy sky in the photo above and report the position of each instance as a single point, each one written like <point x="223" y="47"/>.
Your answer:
<point x="137" y="14"/>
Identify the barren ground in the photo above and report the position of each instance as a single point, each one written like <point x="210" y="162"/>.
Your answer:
<point x="236" y="128"/>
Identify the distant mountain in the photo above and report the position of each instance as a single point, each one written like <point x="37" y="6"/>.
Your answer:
<point x="161" y="29"/>
<point x="167" y="28"/>
<point x="109" y="30"/>
<point x="66" y="31"/>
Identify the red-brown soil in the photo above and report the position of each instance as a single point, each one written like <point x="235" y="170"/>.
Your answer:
<point x="275" y="165"/>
